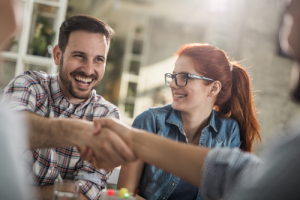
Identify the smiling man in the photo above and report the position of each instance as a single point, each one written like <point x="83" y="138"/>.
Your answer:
<point x="49" y="100"/>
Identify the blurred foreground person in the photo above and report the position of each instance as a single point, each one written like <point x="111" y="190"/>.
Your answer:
<point x="225" y="173"/>
<point x="12" y="132"/>
<point x="212" y="107"/>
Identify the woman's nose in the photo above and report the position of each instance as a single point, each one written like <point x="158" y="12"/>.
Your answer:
<point x="172" y="83"/>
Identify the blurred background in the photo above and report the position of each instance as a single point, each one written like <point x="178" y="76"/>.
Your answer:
<point x="149" y="32"/>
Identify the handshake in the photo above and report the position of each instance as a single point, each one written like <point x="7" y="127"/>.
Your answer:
<point x="114" y="143"/>
<point x="111" y="145"/>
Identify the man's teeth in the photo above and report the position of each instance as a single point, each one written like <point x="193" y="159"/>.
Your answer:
<point x="86" y="80"/>
<point x="177" y="96"/>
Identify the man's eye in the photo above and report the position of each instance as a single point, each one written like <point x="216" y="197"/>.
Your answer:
<point x="99" y="59"/>
<point x="79" y="56"/>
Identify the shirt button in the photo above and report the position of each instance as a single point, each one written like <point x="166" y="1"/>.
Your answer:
<point x="173" y="183"/>
<point x="164" y="198"/>
<point x="201" y="144"/>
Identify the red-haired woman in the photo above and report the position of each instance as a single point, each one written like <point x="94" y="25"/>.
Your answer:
<point x="212" y="106"/>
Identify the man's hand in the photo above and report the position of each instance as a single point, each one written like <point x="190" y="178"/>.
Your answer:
<point x="108" y="149"/>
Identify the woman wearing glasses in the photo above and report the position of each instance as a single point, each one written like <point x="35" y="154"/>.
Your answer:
<point x="212" y="106"/>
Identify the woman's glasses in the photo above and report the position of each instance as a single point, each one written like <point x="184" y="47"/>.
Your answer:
<point x="182" y="78"/>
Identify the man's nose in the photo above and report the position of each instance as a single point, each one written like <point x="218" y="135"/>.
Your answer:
<point x="89" y="67"/>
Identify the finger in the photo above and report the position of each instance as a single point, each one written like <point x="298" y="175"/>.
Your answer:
<point x="109" y="158"/>
<point x="84" y="150"/>
<point x="124" y="150"/>
<point x="77" y="148"/>
<point x="87" y="158"/>
<point x="90" y="153"/>
<point x="95" y="164"/>
<point x="97" y="128"/>
<point x="114" y="124"/>
<point x="106" y="153"/>
<point x="119" y="146"/>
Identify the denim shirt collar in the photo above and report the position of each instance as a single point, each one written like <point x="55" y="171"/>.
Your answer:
<point x="214" y="121"/>
<point x="175" y="118"/>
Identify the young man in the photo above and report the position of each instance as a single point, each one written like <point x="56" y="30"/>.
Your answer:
<point x="48" y="101"/>
<point x="224" y="173"/>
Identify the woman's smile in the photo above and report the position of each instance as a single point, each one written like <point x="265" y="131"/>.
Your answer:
<point x="177" y="95"/>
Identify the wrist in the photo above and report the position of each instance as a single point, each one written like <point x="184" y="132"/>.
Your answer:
<point x="75" y="132"/>
<point x="136" y="141"/>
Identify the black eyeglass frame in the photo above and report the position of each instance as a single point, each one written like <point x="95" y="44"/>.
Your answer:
<point x="188" y="75"/>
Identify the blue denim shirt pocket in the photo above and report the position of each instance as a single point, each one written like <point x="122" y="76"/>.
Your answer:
<point x="229" y="134"/>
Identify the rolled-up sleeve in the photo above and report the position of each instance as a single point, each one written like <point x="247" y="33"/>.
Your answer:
<point x="92" y="180"/>
<point x="221" y="171"/>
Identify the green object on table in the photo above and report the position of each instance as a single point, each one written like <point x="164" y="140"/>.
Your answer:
<point x="126" y="196"/>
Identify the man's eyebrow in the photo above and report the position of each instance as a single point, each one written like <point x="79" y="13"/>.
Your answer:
<point x="83" y="53"/>
<point x="79" y="52"/>
<point x="101" y="56"/>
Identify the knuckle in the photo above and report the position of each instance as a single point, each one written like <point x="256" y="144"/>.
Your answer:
<point x="104" y="146"/>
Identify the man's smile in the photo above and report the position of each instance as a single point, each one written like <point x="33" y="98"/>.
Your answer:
<point x="83" y="82"/>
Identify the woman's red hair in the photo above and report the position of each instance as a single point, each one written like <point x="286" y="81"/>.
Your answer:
<point x="235" y="98"/>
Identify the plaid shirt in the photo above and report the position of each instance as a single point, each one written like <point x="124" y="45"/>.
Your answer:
<point x="39" y="92"/>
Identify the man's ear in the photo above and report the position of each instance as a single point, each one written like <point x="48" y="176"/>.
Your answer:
<point x="215" y="88"/>
<point x="57" y="54"/>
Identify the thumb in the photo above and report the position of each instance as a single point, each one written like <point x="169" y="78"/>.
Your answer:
<point x="115" y="125"/>
<point x="97" y="128"/>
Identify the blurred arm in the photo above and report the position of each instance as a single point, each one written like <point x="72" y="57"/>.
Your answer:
<point x="130" y="175"/>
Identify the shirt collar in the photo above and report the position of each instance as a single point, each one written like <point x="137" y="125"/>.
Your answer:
<point x="214" y="120"/>
<point x="175" y="118"/>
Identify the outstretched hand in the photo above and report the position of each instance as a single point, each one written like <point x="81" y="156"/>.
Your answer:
<point x="110" y="146"/>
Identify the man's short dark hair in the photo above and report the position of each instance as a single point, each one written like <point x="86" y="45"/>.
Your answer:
<point x="85" y="23"/>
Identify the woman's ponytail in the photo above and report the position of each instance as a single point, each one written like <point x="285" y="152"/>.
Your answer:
<point x="242" y="107"/>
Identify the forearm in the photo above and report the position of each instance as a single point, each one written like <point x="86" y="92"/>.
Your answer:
<point x="130" y="175"/>
<point x="56" y="132"/>
<point x="185" y="161"/>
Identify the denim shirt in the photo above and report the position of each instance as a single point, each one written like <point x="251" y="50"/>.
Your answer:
<point x="166" y="122"/>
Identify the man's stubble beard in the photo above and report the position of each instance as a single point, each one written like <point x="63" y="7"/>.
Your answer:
<point x="68" y="83"/>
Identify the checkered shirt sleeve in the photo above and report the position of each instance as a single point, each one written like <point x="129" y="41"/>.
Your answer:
<point x="23" y="94"/>
<point x="88" y="188"/>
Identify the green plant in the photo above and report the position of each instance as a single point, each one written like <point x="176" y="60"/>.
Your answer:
<point x="11" y="42"/>
<point x="43" y="37"/>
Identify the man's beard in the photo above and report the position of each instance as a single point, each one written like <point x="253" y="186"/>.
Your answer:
<point x="68" y="83"/>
